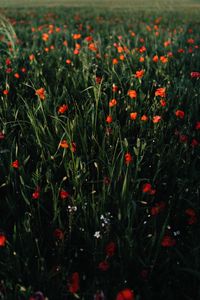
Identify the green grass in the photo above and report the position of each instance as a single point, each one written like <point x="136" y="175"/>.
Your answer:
<point x="108" y="189"/>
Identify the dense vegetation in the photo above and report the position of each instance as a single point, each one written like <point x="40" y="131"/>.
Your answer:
<point x="99" y="156"/>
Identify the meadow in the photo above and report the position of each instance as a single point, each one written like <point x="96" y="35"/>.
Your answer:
<point x="99" y="152"/>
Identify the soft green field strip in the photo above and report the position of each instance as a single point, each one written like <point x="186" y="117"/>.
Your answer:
<point x="106" y="3"/>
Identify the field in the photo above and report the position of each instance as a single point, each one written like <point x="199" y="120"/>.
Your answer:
<point x="99" y="150"/>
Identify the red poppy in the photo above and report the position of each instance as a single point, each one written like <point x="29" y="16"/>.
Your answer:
<point x="36" y="194"/>
<point x="168" y="241"/>
<point x="139" y="74"/>
<point x="2" y="240"/>
<point x="133" y="115"/>
<point x="103" y="266"/>
<point x="125" y="294"/>
<point x="109" y="119"/>
<point x="128" y="158"/>
<point x="180" y="114"/>
<point x="197" y="126"/>
<point x="147" y="188"/>
<point x="63" y="108"/>
<point x="110" y="249"/>
<point x="161" y="92"/>
<point x="156" y="119"/>
<point x="112" y="103"/>
<point x="59" y="234"/>
<point x="15" y="164"/>
<point x="64" y="194"/>
<point x="195" y="74"/>
<point x="132" y="94"/>
<point x="40" y="93"/>
<point x="73" y="284"/>
<point x="64" y="144"/>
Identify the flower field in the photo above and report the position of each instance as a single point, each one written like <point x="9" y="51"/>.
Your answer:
<point x="99" y="155"/>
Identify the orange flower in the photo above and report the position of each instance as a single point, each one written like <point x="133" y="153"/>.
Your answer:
<point x="15" y="164"/>
<point x="109" y="119"/>
<point x="2" y="240"/>
<point x="16" y="75"/>
<point x="132" y="94"/>
<point x="40" y="93"/>
<point x="76" y="36"/>
<point x="115" y="61"/>
<point x="161" y="92"/>
<point x="180" y="114"/>
<point x="31" y="57"/>
<point x="92" y="47"/>
<point x="120" y="49"/>
<point x="64" y="144"/>
<point x="163" y="59"/>
<point x="63" y="108"/>
<point x="133" y="115"/>
<point x="128" y="158"/>
<point x="141" y="59"/>
<point x="112" y="103"/>
<point x="139" y="74"/>
<point x="155" y="58"/>
<point x="45" y="37"/>
<point x="144" y="118"/>
<point x="121" y="57"/>
<point x="156" y="119"/>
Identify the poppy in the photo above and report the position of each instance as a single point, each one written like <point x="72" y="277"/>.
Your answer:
<point x="180" y="114"/>
<point x="195" y="74"/>
<point x="132" y="94"/>
<point x="161" y="92"/>
<point x="64" y="144"/>
<point x="128" y="158"/>
<point x="15" y="164"/>
<point x="64" y="194"/>
<point x="73" y="284"/>
<point x="139" y="74"/>
<point x="109" y="119"/>
<point x="36" y="193"/>
<point x="156" y="119"/>
<point x="40" y="93"/>
<point x="168" y="241"/>
<point x="147" y="188"/>
<point x="103" y="266"/>
<point x="125" y="294"/>
<point x="112" y="103"/>
<point x="197" y="126"/>
<point x="155" y="58"/>
<point x="2" y="240"/>
<point x="63" y="108"/>
<point x="133" y="115"/>
<point x="144" y="118"/>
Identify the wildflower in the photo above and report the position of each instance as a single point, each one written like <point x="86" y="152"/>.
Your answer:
<point x="109" y="119"/>
<point x="64" y="144"/>
<point x="168" y="241"/>
<point x="59" y="234"/>
<point x="36" y="194"/>
<point x="73" y="284"/>
<point x="144" y="118"/>
<point x="64" y="194"/>
<point x="31" y="57"/>
<point x="132" y="94"/>
<point x="76" y="36"/>
<point x="161" y="92"/>
<point x="114" y="88"/>
<point x="197" y="126"/>
<point x="156" y="119"/>
<point x="115" y="61"/>
<point x="133" y="115"/>
<point x="2" y="240"/>
<point x="40" y="93"/>
<point x="125" y="294"/>
<point x="162" y="102"/>
<point x="15" y="164"/>
<point x="147" y="188"/>
<point x="139" y="74"/>
<point x="128" y="158"/>
<point x="195" y="74"/>
<point x="183" y="138"/>
<point x="155" y="58"/>
<point x="98" y="79"/>
<point x="110" y="249"/>
<point x="6" y="92"/>
<point x="112" y="103"/>
<point x="63" y="108"/>
<point x="16" y="75"/>
<point x="180" y="114"/>
<point x="103" y="266"/>
<point x="68" y="61"/>
<point x="141" y="59"/>
<point x="164" y="59"/>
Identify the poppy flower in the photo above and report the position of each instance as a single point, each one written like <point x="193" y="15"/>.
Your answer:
<point x="161" y="92"/>
<point x="73" y="284"/>
<point x="125" y="294"/>
<point x="132" y="94"/>
<point x="36" y="193"/>
<point x="114" y="88"/>
<point x="155" y="58"/>
<point x="103" y="266"/>
<point x="76" y="36"/>
<point x="109" y="119"/>
<point x="147" y="188"/>
<point x="195" y="74"/>
<point x="64" y="144"/>
<point x="40" y="93"/>
<point x="115" y="61"/>
<point x="98" y="79"/>
<point x="31" y="57"/>
<point x="15" y="164"/>
<point x="162" y="103"/>
<point x="164" y="59"/>
<point x="197" y="126"/>
<point x="2" y="240"/>
<point x="6" y="92"/>
<point x="59" y="234"/>
<point x="63" y="108"/>
<point x="68" y="61"/>
<point x="112" y="103"/>
<point x="156" y="119"/>
<point x="110" y="249"/>
<point x="16" y="75"/>
<point x="144" y="118"/>
<point x="180" y="114"/>
<point x="168" y="241"/>
<point x="139" y="74"/>
<point x="64" y="194"/>
<point x="128" y="158"/>
<point x="133" y="115"/>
